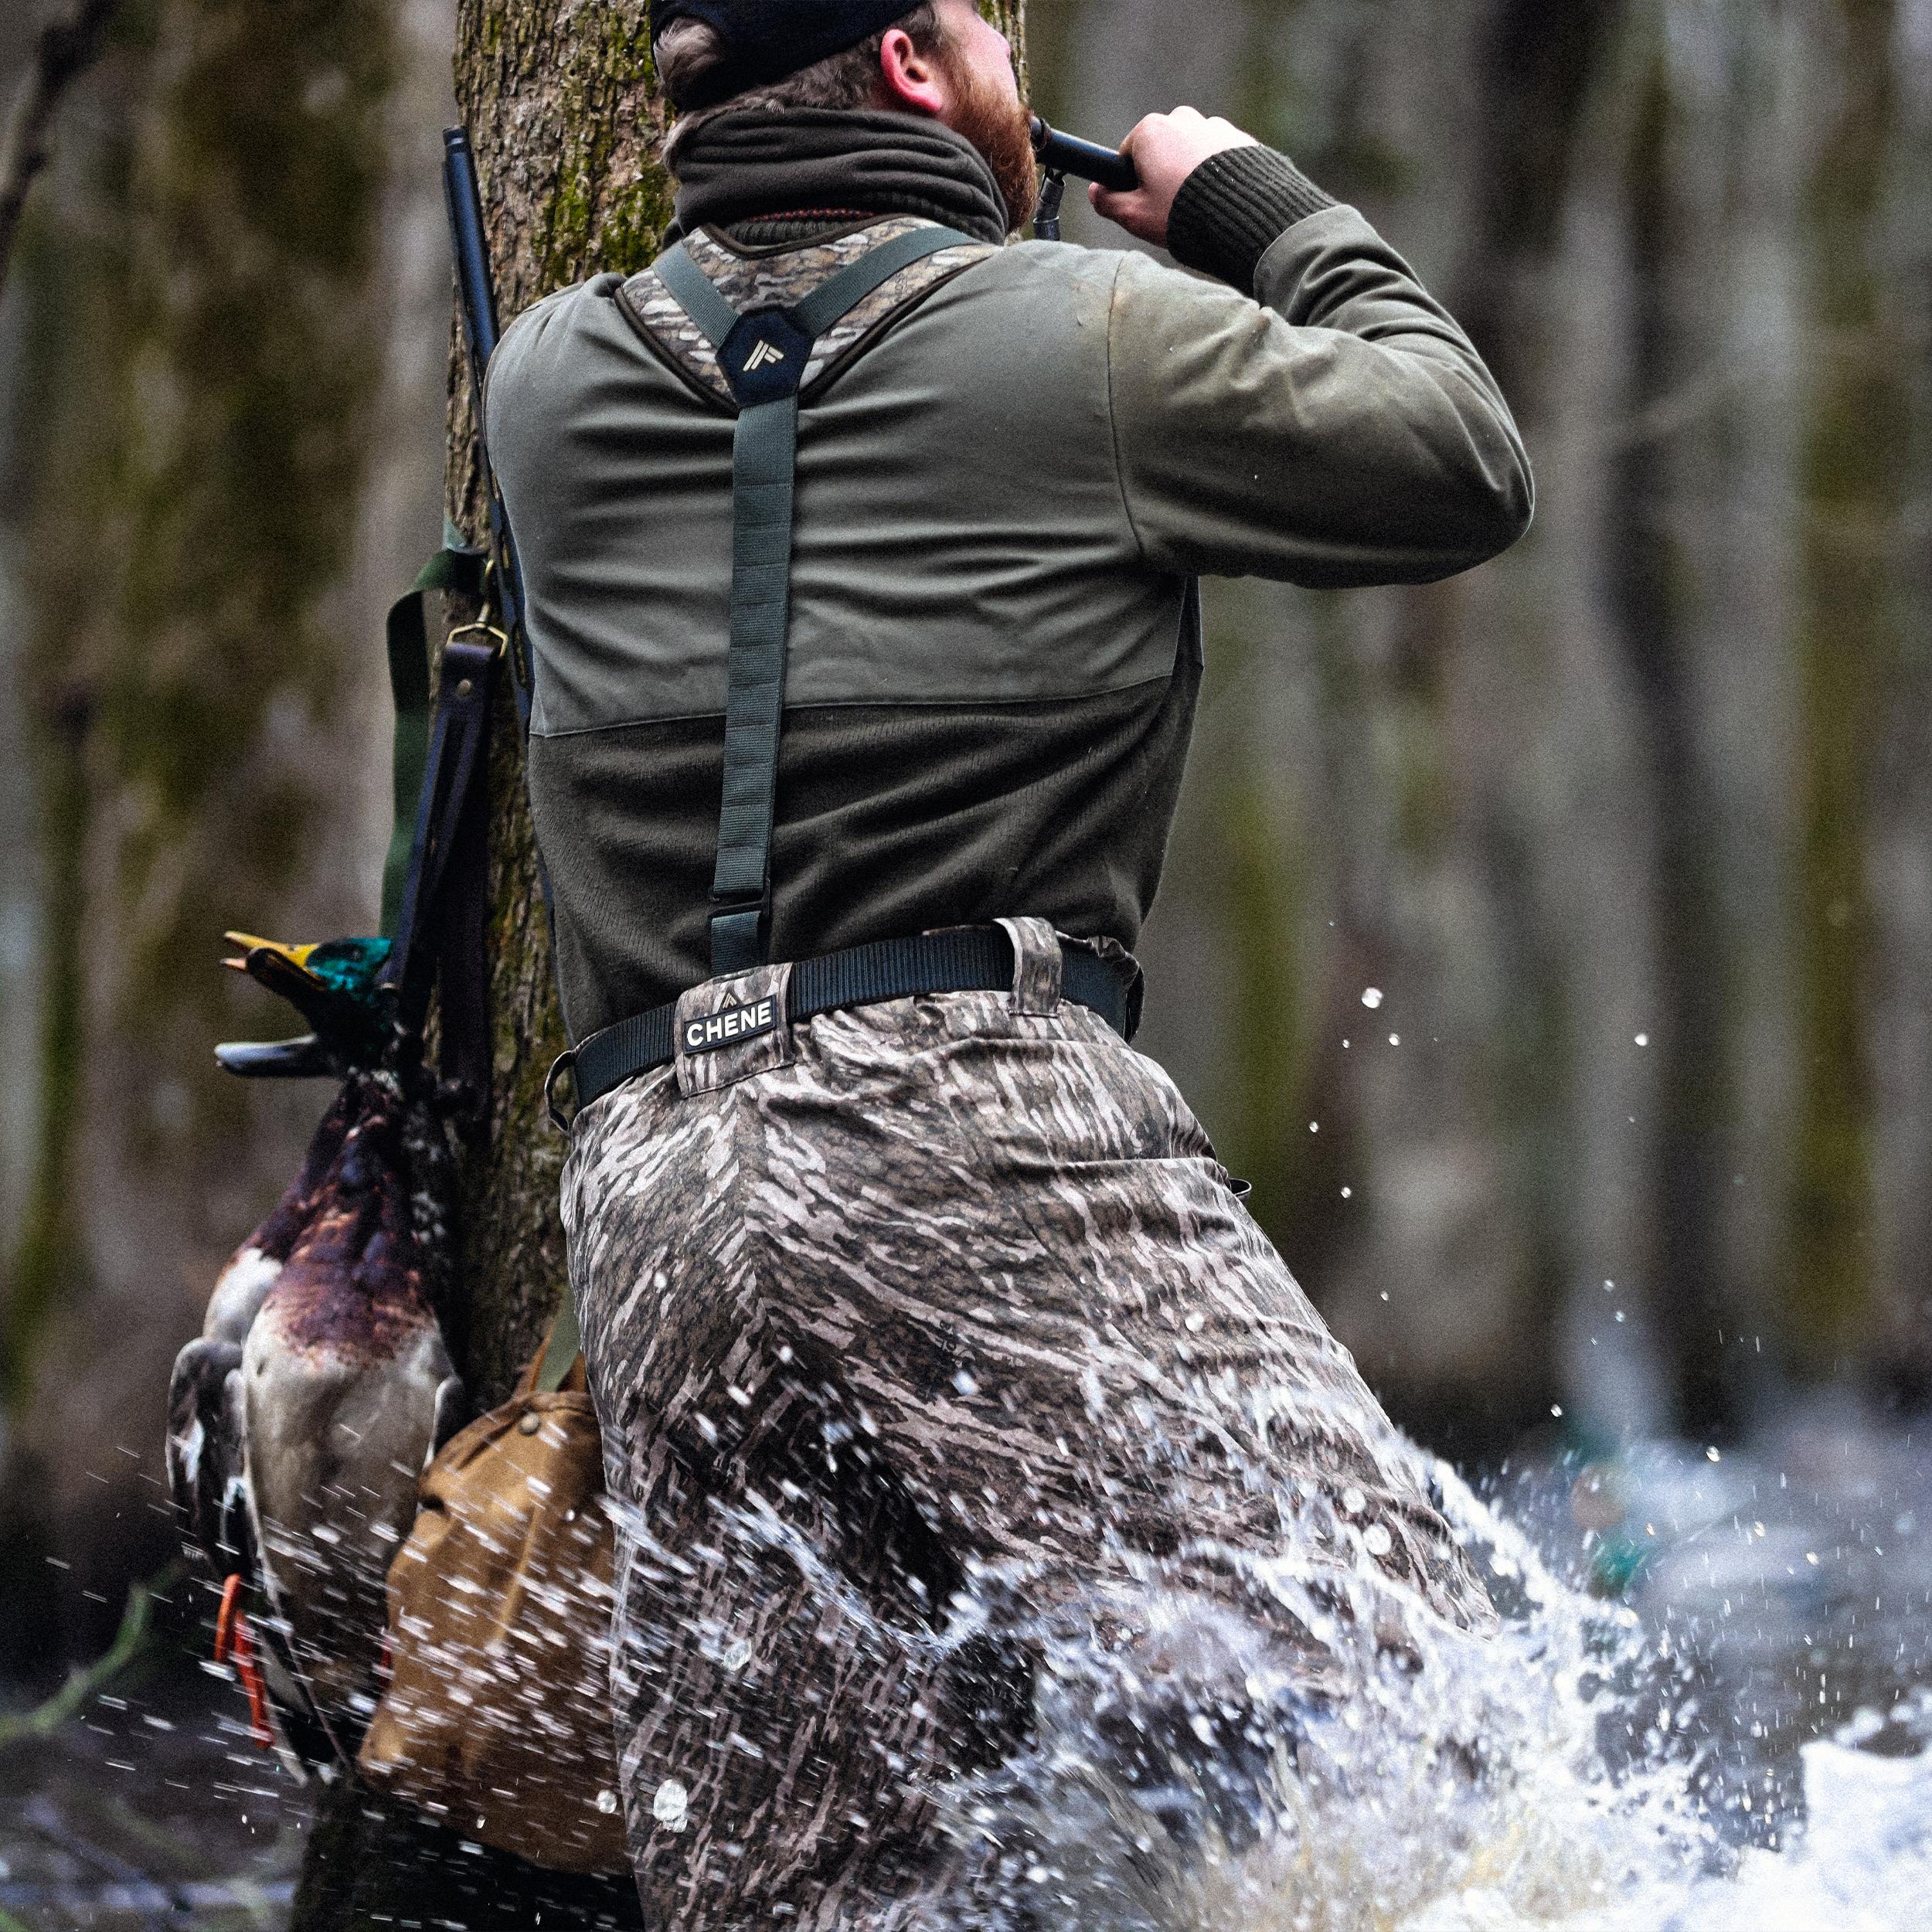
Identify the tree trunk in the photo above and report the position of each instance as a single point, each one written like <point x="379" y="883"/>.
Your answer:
<point x="561" y="105"/>
<point x="1853" y="475"/>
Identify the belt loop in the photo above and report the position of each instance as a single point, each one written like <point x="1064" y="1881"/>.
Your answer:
<point x="1038" y="969"/>
<point x="565" y="1062"/>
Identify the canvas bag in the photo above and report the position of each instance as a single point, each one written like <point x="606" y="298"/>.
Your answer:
<point x="496" y="1716"/>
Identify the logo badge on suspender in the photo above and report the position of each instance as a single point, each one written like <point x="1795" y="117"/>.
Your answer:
<point x="764" y="357"/>
<point x="701" y="1034"/>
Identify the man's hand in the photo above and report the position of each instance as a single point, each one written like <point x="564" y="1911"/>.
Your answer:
<point x="1165" y="149"/>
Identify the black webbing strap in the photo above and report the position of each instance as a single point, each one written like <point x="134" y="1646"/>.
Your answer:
<point x="763" y="356"/>
<point x="452" y="568"/>
<point x="967" y="959"/>
<point x="435" y="908"/>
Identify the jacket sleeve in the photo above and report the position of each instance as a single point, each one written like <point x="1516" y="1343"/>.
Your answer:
<point x="1336" y="429"/>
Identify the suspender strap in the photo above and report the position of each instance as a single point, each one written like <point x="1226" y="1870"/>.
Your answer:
<point x="763" y="356"/>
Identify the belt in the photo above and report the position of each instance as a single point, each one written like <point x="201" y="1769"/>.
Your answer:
<point x="968" y="959"/>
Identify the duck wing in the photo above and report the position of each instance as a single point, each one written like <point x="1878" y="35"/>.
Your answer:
<point x="205" y="1455"/>
<point x="340" y="1374"/>
<point x="251" y="1270"/>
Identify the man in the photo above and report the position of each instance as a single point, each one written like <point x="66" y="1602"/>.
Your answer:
<point x="929" y="1338"/>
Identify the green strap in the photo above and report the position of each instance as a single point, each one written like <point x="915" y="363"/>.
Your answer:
<point x="452" y="568"/>
<point x="697" y="292"/>
<point x="853" y="283"/>
<point x="763" y="452"/>
<point x="562" y="1349"/>
<point x="763" y="461"/>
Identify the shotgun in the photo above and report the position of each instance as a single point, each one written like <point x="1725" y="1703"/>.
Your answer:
<point x="476" y="297"/>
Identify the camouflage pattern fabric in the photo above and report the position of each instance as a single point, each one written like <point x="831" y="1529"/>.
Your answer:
<point x="781" y="280"/>
<point x="940" y="1295"/>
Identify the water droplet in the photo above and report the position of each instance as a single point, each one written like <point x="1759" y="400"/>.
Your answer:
<point x="1346" y="1191"/>
<point x="670" y="1804"/>
<point x="1811" y="1556"/>
<point x="1376" y="1540"/>
<point x="737" y="1656"/>
<point x="1314" y="1127"/>
<point x="606" y="1802"/>
<point x="1556" y="1408"/>
<point x="1710" y="1455"/>
<point x="1195" y="1322"/>
<point x="1352" y="1500"/>
<point x="1372" y="997"/>
<point x="1643" y="1040"/>
<point x="1395" y="1040"/>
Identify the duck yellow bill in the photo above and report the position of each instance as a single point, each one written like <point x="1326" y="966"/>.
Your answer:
<point x="297" y="956"/>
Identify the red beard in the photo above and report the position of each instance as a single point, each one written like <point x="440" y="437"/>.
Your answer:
<point x="1003" y="131"/>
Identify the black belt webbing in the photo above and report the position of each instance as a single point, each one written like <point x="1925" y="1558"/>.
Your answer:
<point x="763" y="356"/>
<point x="968" y="959"/>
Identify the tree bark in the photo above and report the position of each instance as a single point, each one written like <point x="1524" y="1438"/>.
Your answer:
<point x="562" y="107"/>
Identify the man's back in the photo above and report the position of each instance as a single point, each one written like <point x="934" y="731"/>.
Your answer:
<point x="926" y="1332"/>
<point x="991" y="665"/>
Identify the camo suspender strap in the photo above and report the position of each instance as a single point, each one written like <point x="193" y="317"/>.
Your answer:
<point x="763" y="356"/>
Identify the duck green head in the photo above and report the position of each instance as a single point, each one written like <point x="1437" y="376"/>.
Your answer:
<point x="332" y="983"/>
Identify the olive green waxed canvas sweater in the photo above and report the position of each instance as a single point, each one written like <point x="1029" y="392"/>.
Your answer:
<point x="999" y="507"/>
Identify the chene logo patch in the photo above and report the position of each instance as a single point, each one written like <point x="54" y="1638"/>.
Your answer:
<point x="727" y="1028"/>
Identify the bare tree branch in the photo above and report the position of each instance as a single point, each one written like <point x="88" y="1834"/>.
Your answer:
<point x="66" y="50"/>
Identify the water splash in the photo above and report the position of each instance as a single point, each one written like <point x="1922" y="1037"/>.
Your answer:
<point x="1559" y="1774"/>
<point x="1185" y="1769"/>
<point x="1192" y="1779"/>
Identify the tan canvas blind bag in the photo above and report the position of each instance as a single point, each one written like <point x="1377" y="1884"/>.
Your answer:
<point x="496" y="1716"/>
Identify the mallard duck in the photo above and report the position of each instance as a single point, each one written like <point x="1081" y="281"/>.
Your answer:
<point x="204" y="1393"/>
<point x="347" y="1390"/>
<point x="321" y="1384"/>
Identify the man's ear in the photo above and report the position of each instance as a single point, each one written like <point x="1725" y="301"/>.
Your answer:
<point x="910" y="81"/>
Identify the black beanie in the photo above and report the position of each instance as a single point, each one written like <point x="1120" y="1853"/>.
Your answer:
<point x="767" y="39"/>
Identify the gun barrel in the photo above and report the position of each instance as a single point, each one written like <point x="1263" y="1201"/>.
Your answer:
<point x="465" y="198"/>
<point x="476" y="293"/>
<point x="1086" y="158"/>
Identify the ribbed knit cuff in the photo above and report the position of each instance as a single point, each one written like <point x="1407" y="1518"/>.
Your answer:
<point x="1233" y="208"/>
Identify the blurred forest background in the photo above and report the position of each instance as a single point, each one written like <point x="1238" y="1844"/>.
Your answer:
<point x="1550" y="948"/>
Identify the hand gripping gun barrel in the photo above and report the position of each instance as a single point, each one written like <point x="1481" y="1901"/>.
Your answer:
<point x="1060" y="156"/>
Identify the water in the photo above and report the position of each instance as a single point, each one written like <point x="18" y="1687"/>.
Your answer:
<point x="150" y="1808"/>
<point x="1740" y="1742"/>
<point x="1738" y="1738"/>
